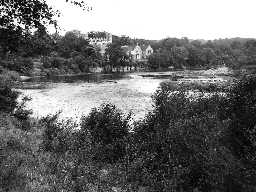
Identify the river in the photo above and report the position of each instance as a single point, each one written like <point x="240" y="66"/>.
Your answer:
<point x="76" y="95"/>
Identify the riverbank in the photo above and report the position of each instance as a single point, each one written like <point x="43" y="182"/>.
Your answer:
<point x="171" y="143"/>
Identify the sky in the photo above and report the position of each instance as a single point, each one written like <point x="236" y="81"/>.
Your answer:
<point x="158" y="19"/>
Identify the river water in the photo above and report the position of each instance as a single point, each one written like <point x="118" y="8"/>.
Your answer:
<point x="76" y="95"/>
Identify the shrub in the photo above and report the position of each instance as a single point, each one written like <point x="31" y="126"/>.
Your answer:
<point x="57" y="62"/>
<point x="181" y="145"/>
<point x="22" y="114"/>
<point x="19" y="64"/>
<point x="54" y="62"/>
<point x="108" y="129"/>
<point x="56" y="138"/>
<point x="240" y="110"/>
<point x="8" y="99"/>
<point x="16" y="155"/>
<point x="8" y="78"/>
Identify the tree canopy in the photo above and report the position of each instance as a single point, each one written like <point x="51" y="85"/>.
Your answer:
<point x="18" y="18"/>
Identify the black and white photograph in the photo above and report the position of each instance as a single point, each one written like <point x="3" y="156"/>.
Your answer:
<point x="127" y="96"/>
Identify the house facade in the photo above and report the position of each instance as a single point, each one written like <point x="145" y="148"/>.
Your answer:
<point x="99" y="40"/>
<point x="138" y="53"/>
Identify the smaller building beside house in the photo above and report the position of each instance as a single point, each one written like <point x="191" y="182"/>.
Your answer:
<point x="138" y="53"/>
<point x="148" y="50"/>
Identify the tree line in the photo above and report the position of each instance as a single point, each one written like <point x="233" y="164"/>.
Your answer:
<point x="72" y="53"/>
<point x="186" y="53"/>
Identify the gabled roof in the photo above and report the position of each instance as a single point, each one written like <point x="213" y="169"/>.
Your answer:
<point x="138" y="47"/>
<point x="128" y="48"/>
<point x="144" y="47"/>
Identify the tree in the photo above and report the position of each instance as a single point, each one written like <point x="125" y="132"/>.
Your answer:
<point x="19" y="17"/>
<point x="38" y="43"/>
<point x="73" y="41"/>
<point x="250" y="47"/>
<point x="159" y="60"/>
<point x="194" y="56"/>
<point x="123" y="40"/>
<point x="179" y="56"/>
<point x="115" y="54"/>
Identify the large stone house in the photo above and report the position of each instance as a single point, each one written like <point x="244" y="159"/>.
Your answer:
<point x="99" y="40"/>
<point x="138" y="53"/>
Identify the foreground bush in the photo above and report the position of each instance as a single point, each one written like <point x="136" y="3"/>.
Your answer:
<point x="189" y="144"/>
<point x="240" y="107"/>
<point x="8" y="97"/>
<point x="18" y="155"/>
<point x="108" y="129"/>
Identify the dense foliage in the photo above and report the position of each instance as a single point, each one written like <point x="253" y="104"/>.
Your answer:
<point x="116" y="57"/>
<point x="200" y="142"/>
<point x="71" y="54"/>
<point x="188" y="144"/>
<point x="48" y="54"/>
<point x="18" y="42"/>
<point x="108" y="129"/>
<point x="184" y="53"/>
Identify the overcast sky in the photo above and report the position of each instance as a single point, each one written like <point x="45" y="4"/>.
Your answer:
<point x="157" y="19"/>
